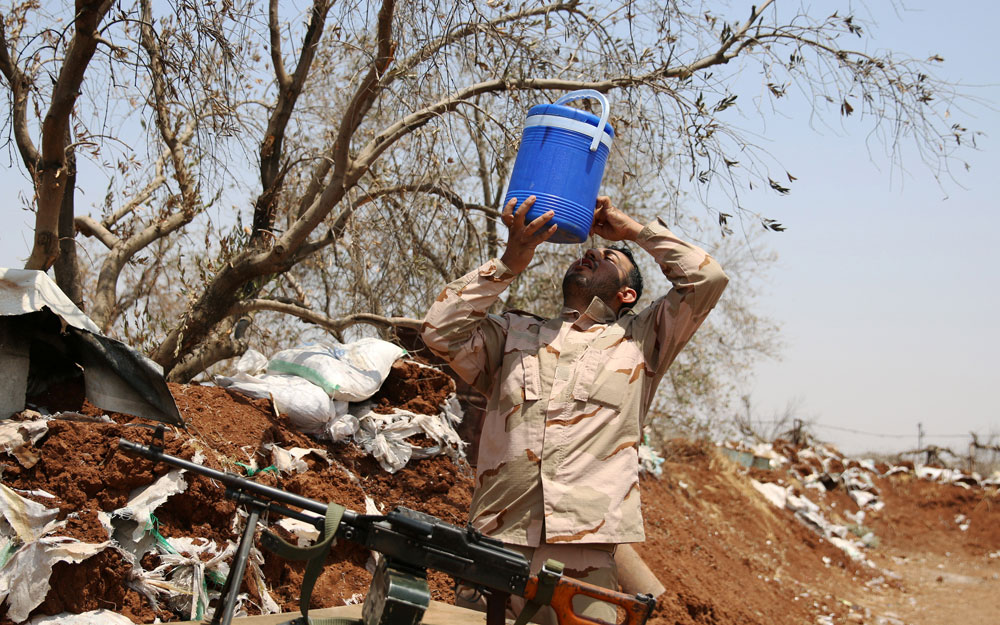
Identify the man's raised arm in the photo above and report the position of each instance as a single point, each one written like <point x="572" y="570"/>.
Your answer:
<point x="667" y="324"/>
<point x="698" y="282"/>
<point x="457" y="326"/>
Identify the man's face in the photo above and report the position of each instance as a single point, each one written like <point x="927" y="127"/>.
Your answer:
<point x="601" y="272"/>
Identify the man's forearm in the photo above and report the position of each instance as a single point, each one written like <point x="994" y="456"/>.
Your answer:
<point x="457" y="327"/>
<point x="693" y="272"/>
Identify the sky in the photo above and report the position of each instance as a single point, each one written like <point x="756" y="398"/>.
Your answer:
<point x="887" y="280"/>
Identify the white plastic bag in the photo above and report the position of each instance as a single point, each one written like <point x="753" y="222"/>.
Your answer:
<point x="373" y="358"/>
<point x="252" y="362"/>
<point x="352" y="372"/>
<point x="308" y="407"/>
<point x="306" y="404"/>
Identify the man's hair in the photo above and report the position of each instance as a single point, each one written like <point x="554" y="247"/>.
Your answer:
<point x="634" y="278"/>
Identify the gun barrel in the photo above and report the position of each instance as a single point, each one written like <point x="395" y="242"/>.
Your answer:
<point x="229" y="479"/>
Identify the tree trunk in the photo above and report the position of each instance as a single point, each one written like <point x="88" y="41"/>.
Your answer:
<point x="66" y="268"/>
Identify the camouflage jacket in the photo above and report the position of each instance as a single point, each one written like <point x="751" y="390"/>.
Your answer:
<point x="567" y="397"/>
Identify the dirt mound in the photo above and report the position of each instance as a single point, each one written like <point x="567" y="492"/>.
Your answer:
<point x="723" y="552"/>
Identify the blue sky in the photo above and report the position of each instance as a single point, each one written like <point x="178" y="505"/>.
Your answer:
<point x="887" y="281"/>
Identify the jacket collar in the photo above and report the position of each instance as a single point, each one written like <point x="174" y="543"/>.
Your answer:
<point x="597" y="311"/>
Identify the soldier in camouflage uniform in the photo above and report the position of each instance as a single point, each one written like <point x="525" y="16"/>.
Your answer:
<point x="557" y="473"/>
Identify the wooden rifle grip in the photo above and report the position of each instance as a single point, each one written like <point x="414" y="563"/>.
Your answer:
<point x="637" y="608"/>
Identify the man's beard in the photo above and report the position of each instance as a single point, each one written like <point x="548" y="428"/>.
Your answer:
<point x="575" y="283"/>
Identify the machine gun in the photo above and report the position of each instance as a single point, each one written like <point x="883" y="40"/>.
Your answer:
<point x="410" y="543"/>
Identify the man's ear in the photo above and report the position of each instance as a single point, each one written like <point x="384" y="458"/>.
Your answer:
<point x="626" y="295"/>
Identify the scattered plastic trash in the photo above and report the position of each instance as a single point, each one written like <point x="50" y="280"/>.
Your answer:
<point x="650" y="461"/>
<point x="384" y="435"/>
<point x="131" y="521"/>
<point x="810" y="515"/>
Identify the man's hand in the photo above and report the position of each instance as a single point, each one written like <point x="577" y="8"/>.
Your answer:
<point x="612" y="224"/>
<point x="522" y="238"/>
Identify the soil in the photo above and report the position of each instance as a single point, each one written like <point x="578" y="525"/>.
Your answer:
<point x="723" y="552"/>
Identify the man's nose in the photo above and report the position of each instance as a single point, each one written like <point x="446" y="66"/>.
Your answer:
<point x="593" y="254"/>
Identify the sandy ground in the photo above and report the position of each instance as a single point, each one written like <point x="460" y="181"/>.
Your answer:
<point x="723" y="552"/>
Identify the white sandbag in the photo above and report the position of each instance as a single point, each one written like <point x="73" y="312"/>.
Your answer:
<point x="352" y="372"/>
<point x="343" y="426"/>
<point x="252" y="362"/>
<point x="291" y="460"/>
<point x="307" y="406"/>
<point x="104" y="617"/>
<point x="131" y="521"/>
<point x="27" y="520"/>
<point x="373" y="357"/>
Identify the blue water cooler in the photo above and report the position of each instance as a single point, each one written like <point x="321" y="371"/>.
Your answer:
<point x="561" y="162"/>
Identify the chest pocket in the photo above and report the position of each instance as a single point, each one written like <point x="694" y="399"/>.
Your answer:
<point x="609" y="367"/>
<point x="520" y="380"/>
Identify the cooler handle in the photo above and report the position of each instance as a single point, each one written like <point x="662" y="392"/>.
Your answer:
<point x="597" y="95"/>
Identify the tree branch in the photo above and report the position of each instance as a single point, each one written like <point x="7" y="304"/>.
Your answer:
<point x="20" y="88"/>
<point x="456" y="34"/>
<point x="185" y="180"/>
<point x="274" y="29"/>
<point x="158" y="180"/>
<point x="365" y="96"/>
<point x="453" y="198"/>
<point x="89" y="227"/>
<point x="81" y="49"/>
<point x="289" y="88"/>
<point x="228" y="341"/>
<point x="383" y="140"/>
<point x="719" y="57"/>
<point x="319" y="319"/>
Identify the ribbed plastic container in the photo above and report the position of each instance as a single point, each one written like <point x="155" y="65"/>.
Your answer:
<point x="561" y="162"/>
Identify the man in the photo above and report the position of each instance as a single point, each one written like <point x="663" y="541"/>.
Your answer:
<point x="557" y="473"/>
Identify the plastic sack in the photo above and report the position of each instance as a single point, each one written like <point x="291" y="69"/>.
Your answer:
<point x="105" y="617"/>
<point x="252" y="362"/>
<point x="308" y="407"/>
<point x="352" y="372"/>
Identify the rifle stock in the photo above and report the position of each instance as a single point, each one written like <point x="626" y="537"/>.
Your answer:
<point x="419" y="542"/>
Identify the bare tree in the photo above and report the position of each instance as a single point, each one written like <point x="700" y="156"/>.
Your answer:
<point x="339" y="165"/>
<point x="50" y="160"/>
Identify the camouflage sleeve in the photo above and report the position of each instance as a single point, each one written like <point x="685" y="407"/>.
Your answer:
<point x="698" y="281"/>
<point x="458" y="329"/>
